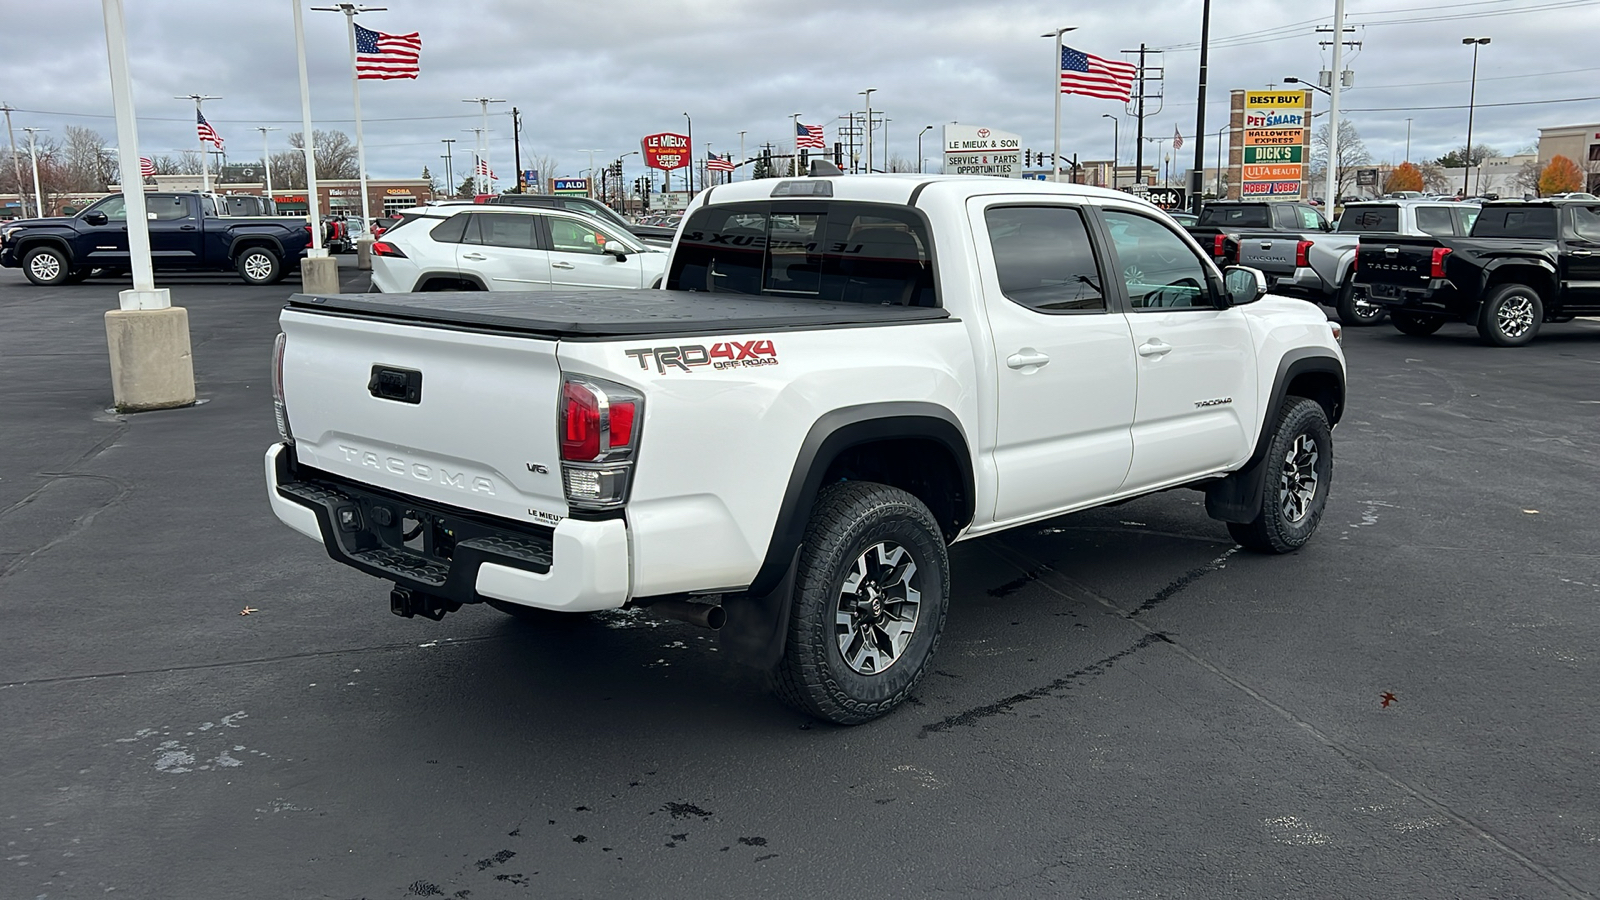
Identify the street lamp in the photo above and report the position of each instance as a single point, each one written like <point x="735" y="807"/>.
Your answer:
<point x="690" y="176"/>
<point x="925" y="130"/>
<point x="1290" y="79"/>
<point x="1472" y="101"/>
<point x="868" y="94"/>
<point x="1220" y="132"/>
<point x="1055" y="78"/>
<point x="591" y="151"/>
<point x="38" y="198"/>
<point x="1116" y="145"/>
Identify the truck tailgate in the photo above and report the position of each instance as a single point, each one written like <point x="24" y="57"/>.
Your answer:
<point x="461" y="418"/>
<point x="1395" y="261"/>
<point x="1273" y="255"/>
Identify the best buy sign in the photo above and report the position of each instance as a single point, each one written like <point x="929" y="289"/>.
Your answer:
<point x="1289" y="154"/>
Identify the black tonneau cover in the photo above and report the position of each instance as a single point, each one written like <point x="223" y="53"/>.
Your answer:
<point x="598" y="315"/>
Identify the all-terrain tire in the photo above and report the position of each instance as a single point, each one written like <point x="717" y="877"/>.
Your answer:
<point x="1416" y="325"/>
<point x="874" y="560"/>
<point x="1510" y="316"/>
<point x="1354" y="313"/>
<point x="1298" y="473"/>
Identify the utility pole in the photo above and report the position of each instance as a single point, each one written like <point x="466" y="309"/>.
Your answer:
<point x="741" y="154"/>
<point x="868" y="136"/>
<point x="16" y="163"/>
<point x="449" y="165"/>
<point x="516" y="146"/>
<point x="38" y="196"/>
<point x="1330" y="193"/>
<point x="1200" y="114"/>
<point x="1140" y="112"/>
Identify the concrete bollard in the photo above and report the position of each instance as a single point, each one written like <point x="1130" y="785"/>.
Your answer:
<point x="364" y="252"/>
<point x="151" y="365"/>
<point x="319" y="275"/>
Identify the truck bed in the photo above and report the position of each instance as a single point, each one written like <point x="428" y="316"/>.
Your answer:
<point x="603" y="315"/>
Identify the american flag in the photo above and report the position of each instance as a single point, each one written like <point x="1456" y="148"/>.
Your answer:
<point x="809" y="136"/>
<point x="1085" y="73"/>
<point x="715" y="163"/>
<point x="147" y="166"/>
<point x="1177" y="138"/>
<point x="483" y="169"/>
<point x="385" y="56"/>
<point x="207" y="133"/>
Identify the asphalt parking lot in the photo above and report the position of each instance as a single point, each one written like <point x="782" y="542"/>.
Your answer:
<point x="1123" y="706"/>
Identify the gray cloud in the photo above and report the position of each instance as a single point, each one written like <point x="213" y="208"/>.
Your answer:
<point x="603" y="74"/>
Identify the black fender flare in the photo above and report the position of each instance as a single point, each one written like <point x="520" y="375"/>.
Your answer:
<point x="242" y="242"/>
<point x="757" y="624"/>
<point x="416" y="286"/>
<point x="1237" y="498"/>
<point x="58" y="241"/>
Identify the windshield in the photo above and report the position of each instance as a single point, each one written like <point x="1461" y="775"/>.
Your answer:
<point x="1237" y="216"/>
<point x="1370" y="220"/>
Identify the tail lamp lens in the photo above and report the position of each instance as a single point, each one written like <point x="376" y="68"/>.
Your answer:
<point x="1300" y="254"/>
<point x="1436" y="270"/>
<point x="1219" y="246"/>
<point x="279" y="411"/>
<point x="384" y="248"/>
<point x="600" y="423"/>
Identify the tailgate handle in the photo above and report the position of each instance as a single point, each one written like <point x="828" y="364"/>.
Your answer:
<point x="394" y="383"/>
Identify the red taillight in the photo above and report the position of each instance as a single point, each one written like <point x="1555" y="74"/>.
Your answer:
<point x="1437" y="269"/>
<point x="580" y="423"/>
<point x="621" y="424"/>
<point x="384" y="248"/>
<point x="1355" y="259"/>
<point x="1300" y="251"/>
<point x="1219" y="246"/>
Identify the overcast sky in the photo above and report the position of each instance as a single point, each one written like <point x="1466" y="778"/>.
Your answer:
<point x="602" y="74"/>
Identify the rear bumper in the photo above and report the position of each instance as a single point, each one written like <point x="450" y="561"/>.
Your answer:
<point x="1303" y="281"/>
<point x="1439" y="298"/>
<point x="466" y="557"/>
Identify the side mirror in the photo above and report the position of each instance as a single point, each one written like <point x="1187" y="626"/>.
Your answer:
<point x="95" y="218"/>
<point x="1242" y="285"/>
<point x="612" y="248"/>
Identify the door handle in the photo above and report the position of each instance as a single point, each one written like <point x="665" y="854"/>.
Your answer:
<point x="562" y="265"/>
<point x="185" y="227"/>
<point x="1155" y="347"/>
<point x="1582" y="253"/>
<point x="1026" y="358"/>
<point x="473" y="256"/>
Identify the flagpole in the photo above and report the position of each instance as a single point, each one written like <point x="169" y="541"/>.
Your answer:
<point x="307" y="142"/>
<point x="1055" y="81"/>
<point x="205" y="170"/>
<point x="794" y="132"/>
<point x="350" y="10"/>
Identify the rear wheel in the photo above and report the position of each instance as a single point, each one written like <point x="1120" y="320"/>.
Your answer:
<point x="1510" y="317"/>
<point x="258" y="265"/>
<point x="1355" y="310"/>
<point x="1298" y="473"/>
<point x="1416" y="325"/>
<point x="45" y="266"/>
<point x="870" y="599"/>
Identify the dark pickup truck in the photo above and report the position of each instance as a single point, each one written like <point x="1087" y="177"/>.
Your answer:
<point x="1224" y="223"/>
<point x="185" y="234"/>
<point x="1524" y="263"/>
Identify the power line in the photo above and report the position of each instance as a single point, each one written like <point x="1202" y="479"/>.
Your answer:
<point x="51" y="112"/>
<point x="1478" y="105"/>
<point x="1298" y="29"/>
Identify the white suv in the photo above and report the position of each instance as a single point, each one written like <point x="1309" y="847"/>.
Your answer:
<point x="508" y="248"/>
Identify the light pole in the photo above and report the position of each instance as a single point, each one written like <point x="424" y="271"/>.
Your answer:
<point x="794" y="140"/>
<point x="591" y="151"/>
<point x="1408" y="139"/>
<point x="925" y="130"/>
<point x="691" y="153"/>
<point x="38" y="198"/>
<point x="1200" y="114"/>
<point x="1055" y="83"/>
<point x="1472" y="101"/>
<point x="266" y="157"/>
<point x="868" y="94"/>
<point x="483" y="104"/>
<point x="205" y="171"/>
<point x="449" y="165"/>
<point x="1331" y="200"/>
<point x="1220" y="132"/>
<point x="320" y="272"/>
<point x="741" y="154"/>
<point x="886" y="121"/>
<point x="1116" y="145"/>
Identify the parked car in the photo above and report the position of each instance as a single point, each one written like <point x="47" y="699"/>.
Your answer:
<point x="845" y="376"/>
<point x="1524" y="264"/>
<point x="1223" y="221"/>
<point x="186" y="234"/>
<point x="593" y="208"/>
<point x="1317" y="265"/>
<point x="510" y="248"/>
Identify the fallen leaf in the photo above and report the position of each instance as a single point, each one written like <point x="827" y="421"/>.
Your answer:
<point x="1388" y="698"/>
<point x="248" y="610"/>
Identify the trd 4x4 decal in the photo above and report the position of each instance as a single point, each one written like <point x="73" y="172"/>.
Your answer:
<point x="722" y="356"/>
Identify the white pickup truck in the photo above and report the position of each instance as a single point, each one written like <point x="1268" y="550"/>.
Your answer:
<point x="843" y="376"/>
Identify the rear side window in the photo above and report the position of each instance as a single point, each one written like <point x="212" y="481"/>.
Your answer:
<point x="450" y="230"/>
<point x="1236" y="216"/>
<point x="1435" y="220"/>
<point x="1511" y="221"/>
<point x="1370" y="220"/>
<point x="807" y="249"/>
<point x="501" y="230"/>
<point x="1310" y="220"/>
<point x="1044" y="260"/>
<point x="1586" y="222"/>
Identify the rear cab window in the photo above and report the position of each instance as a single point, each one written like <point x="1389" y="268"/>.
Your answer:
<point x="1519" y="222"/>
<point x="1256" y="216"/>
<point x="824" y="250"/>
<point x="1370" y="220"/>
<point x="1435" y="220"/>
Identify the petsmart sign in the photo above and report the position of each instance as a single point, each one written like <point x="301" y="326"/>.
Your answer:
<point x="1276" y="132"/>
<point x="974" y="150"/>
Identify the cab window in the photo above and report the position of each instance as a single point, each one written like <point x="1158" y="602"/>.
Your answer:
<point x="1435" y="220"/>
<point x="573" y="236"/>
<point x="1586" y="222"/>
<point x="1159" y="269"/>
<point x="116" y="208"/>
<point x="1044" y="260"/>
<point x="501" y="230"/>
<point x="1310" y="219"/>
<point x="167" y="209"/>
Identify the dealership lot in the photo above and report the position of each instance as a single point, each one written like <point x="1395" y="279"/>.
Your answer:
<point x="1123" y="705"/>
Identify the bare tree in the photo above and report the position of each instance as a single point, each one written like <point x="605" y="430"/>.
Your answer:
<point x="84" y="160"/>
<point x="1435" y="177"/>
<point x="545" y="165"/>
<point x="435" y="186"/>
<point x="1527" y="178"/>
<point x="288" y="170"/>
<point x="898" y="163"/>
<point x="1352" y="154"/>
<point x="335" y="152"/>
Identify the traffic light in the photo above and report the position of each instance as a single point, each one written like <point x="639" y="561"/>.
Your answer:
<point x="1027" y="158"/>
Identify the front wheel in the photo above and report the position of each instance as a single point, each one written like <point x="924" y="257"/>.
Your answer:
<point x="258" y="265"/>
<point x="1415" y="325"/>
<point x="1511" y="315"/>
<point x="870" y="599"/>
<point x="1355" y="310"/>
<point x="1298" y="473"/>
<point x="46" y="266"/>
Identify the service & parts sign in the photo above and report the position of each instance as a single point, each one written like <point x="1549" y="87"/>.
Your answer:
<point x="978" y="150"/>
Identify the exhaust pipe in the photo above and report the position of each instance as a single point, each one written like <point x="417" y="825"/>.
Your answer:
<point x="703" y="614"/>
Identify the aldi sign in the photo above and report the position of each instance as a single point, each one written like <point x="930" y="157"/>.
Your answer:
<point x="572" y="187"/>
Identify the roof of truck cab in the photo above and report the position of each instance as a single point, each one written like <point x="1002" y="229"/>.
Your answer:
<point x="898" y="188"/>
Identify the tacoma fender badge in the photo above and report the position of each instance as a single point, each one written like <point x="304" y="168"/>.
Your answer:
<point x="1220" y="401"/>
